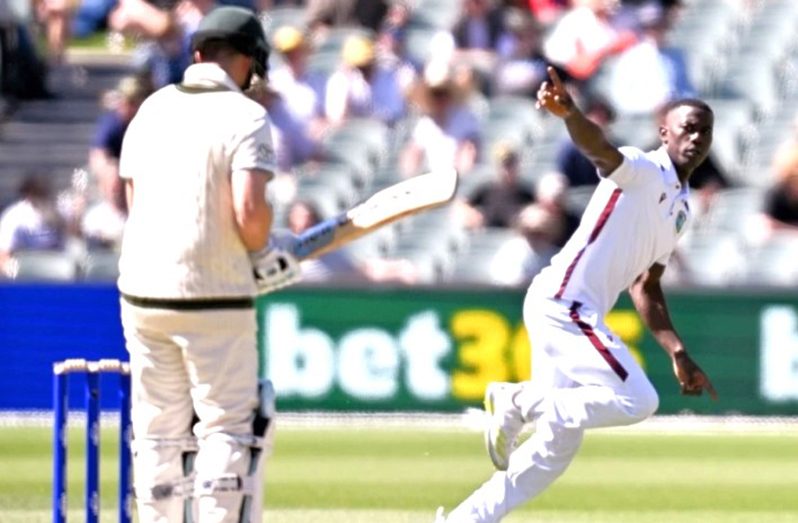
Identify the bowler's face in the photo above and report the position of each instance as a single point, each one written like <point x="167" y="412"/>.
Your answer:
<point x="687" y="135"/>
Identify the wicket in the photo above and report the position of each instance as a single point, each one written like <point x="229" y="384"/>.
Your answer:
<point x="92" y="371"/>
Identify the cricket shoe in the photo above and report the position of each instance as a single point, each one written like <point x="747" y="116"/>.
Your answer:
<point x="439" y="516"/>
<point x="504" y="423"/>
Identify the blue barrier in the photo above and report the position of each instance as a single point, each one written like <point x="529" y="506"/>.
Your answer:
<point x="41" y="324"/>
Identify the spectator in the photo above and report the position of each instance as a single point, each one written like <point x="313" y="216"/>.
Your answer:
<point x="781" y="203"/>
<point x="91" y="17"/>
<point x="393" y="30"/>
<point x="23" y="74"/>
<point x="447" y="133"/>
<point x="391" y="41"/>
<point x="522" y="258"/>
<point x="166" y="29"/>
<point x="55" y="16"/>
<point x="294" y="101"/>
<point x="476" y="35"/>
<point x="479" y="27"/>
<point x="547" y="12"/>
<point x="32" y="222"/>
<point x="496" y="203"/>
<point x="522" y="65"/>
<point x="650" y="73"/>
<point x="551" y="192"/>
<point x="293" y="144"/>
<point x="122" y="104"/>
<point x="570" y="161"/>
<point x="104" y="221"/>
<point x="300" y="91"/>
<point x="363" y="87"/>
<point x="585" y="37"/>
<point x="323" y="14"/>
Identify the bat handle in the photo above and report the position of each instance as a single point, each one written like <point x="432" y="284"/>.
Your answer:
<point x="318" y="236"/>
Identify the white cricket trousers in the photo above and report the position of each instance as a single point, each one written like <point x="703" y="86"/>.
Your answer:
<point x="182" y="362"/>
<point x="583" y="377"/>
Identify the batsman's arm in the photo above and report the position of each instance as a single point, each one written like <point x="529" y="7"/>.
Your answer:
<point x="253" y="212"/>
<point x="586" y="135"/>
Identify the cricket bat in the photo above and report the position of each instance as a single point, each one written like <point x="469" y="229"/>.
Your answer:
<point x="408" y="197"/>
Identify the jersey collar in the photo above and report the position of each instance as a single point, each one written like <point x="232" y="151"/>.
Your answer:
<point x="208" y="75"/>
<point x="668" y="170"/>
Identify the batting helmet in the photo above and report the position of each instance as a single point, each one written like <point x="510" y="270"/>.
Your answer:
<point x="238" y="27"/>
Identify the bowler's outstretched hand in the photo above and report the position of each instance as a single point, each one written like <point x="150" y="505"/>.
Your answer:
<point x="692" y="380"/>
<point x="553" y="97"/>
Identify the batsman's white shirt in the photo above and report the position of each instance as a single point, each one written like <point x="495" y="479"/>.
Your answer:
<point x="181" y="150"/>
<point x="634" y="219"/>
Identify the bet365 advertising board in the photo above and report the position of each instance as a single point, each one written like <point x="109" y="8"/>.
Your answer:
<point x="417" y="349"/>
<point x="413" y="349"/>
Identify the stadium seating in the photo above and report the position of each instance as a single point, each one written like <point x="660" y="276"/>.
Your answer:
<point x="44" y="266"/>
<point x="773" y="263"/>
<point x="712" y="259"/>
<point x="472" y="266"/>
<point x="742" y="56"/>
<point x="285" y="15"/>
<point x="100" y="266"/>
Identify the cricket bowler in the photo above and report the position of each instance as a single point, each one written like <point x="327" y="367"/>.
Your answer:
<point x="584" y="376"/>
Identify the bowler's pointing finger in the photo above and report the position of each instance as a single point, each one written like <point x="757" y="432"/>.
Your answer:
<point x="710" y="389"/>
<point x="555" y="78"/>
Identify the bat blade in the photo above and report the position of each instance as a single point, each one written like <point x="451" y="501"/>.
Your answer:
<point x="412" y="196"/>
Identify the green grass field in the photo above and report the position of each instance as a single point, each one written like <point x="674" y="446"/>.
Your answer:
<point x="335" y="475"/>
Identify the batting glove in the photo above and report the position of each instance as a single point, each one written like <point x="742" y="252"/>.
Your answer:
<point x="274" y="268"/>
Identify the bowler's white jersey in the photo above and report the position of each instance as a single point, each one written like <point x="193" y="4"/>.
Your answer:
<point x="633" y="220"/>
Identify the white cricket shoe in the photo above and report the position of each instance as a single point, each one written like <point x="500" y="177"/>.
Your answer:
<point x="439" y="516"/>
<point x="504" y="423"/>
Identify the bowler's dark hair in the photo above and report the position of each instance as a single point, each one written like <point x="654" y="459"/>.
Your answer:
<point x="690" y="102"/>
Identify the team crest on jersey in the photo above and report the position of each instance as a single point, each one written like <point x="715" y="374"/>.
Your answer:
<point x="681" y="219"/>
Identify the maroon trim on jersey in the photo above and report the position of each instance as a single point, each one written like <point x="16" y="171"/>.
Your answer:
<point x="605" y="353"/>
<point x="600" y="223"/>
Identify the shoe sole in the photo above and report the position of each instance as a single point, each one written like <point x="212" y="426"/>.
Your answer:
<point x="498" y="463"/>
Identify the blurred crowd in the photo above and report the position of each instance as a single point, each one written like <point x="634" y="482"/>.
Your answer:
<point x="335" y="62"/>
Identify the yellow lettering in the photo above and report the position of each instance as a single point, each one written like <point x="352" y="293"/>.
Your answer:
<point x="482" y="337"/>
<point x="521" y="353"/>
<point x="629" y="326"/>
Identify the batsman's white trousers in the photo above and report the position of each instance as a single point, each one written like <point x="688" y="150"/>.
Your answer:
<point x="182" y="362"/>
<point x="583" y="377"/>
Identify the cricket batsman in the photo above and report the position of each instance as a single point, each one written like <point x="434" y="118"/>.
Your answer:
<point x="196" y="161"/>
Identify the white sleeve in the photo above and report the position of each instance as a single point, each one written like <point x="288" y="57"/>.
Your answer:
<point x="255" y="149"/>
<point x="560" y="46"/>
<point x="421" y="132"/>
<point x="507" y="265"/>
<point x="6" y="232"/>
<point x="632" y="169"/>
<point x="336" y="97"/>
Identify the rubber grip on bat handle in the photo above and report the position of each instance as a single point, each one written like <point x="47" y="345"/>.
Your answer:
<point x="317" y="236"/>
